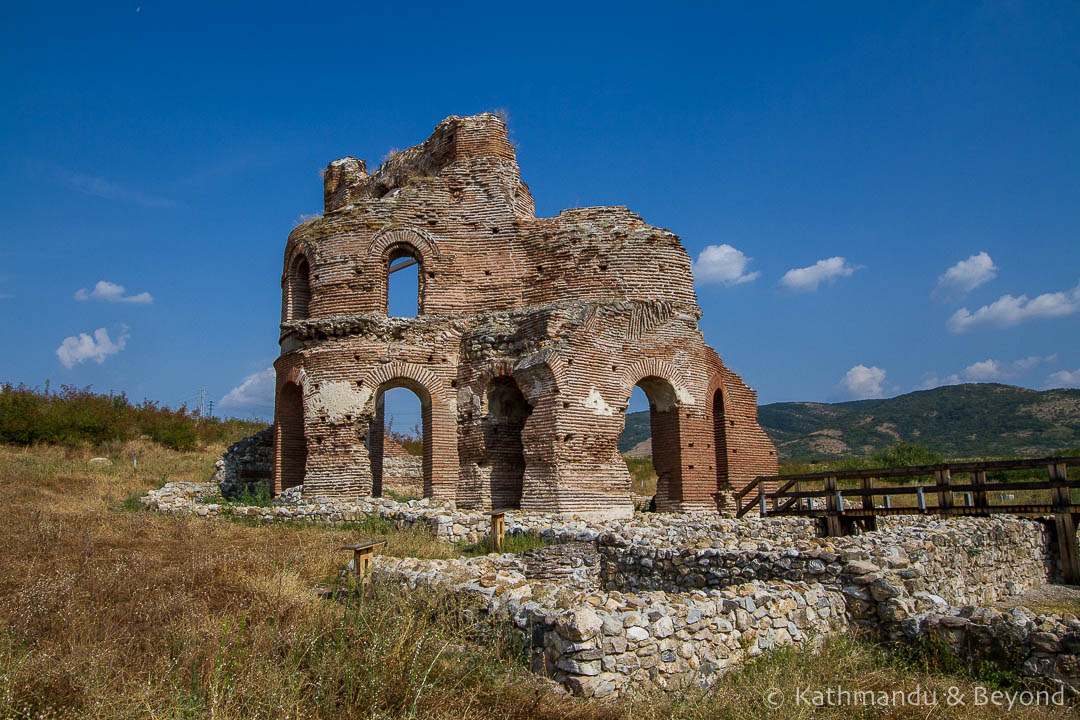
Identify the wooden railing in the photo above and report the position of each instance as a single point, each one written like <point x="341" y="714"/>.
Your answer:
<point x="843" y="508"/>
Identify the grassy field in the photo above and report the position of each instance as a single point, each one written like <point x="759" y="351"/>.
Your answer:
<point x="109" y="612"/>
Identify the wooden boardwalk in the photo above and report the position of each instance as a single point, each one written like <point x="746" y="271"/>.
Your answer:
<point x="854" y="499"/>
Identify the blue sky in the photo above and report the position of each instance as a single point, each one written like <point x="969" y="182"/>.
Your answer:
<point x="839" y="159"/>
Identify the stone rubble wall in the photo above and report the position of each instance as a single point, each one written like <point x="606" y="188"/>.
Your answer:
<point x="246" y="465"/>
<point x="1045" y="648"/>
<point x="454" y="525"/>
<point x="667" y="601"/>
<point x="599" y="644"/>
<point x="965" y="562"/>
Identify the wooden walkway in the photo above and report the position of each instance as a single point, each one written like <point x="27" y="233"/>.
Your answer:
<point x="850" y="499"/>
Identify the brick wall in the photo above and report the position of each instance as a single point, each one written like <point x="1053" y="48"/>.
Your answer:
<point x="574" y="310"/>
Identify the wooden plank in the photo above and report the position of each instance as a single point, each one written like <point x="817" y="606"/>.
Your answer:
<point x="833" y="524"/>
<point x="961" y="467"/>
<point x="1065" y="525"/>
<point x="944" y="492"/>
<point x="978" y="480"/>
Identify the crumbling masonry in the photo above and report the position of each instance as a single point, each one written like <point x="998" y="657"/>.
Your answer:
<point x="530" y="336"/>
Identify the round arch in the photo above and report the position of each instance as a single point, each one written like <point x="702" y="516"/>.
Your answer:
<point x="440" y="461"/>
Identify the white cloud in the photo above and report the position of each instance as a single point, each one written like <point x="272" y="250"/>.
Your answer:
<point x="967" y="275"/>
<point x="984" y="370"/>
<point x="808" y="279"/>
<point x="931" y="381"/>
<point x="1008" y="310"/>
<point x="1063" y="378"/>
<point x="82" y="347"/>
<point x="102" y="188"/>
<point x="256" y="391"/>
<point x="724" y="265"/>
<point x="1033" y="361"/>
<point x="111" y="292"/>
<point x="861" y="382"/>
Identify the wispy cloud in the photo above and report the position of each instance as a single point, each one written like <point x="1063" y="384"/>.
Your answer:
<point x="808" y="279"/>
<point x="1007" y="310"/>
<point x="723" y="265"/>
<point x="1063" y="379"/>
<point x="255" y="392"/>
<point x="967" y="275"/>
<point x="989" y="370"/>
<point x="106" y="291"/>
<point x="82" y="347"/>
<point x="931" y="381"/>
<point x="862" y="382"/>
<point x="109" y="190"/>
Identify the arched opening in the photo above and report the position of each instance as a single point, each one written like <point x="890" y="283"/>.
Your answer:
<point x="719" y="436"/>
<point x="299" y="289"/>
<point x="664" y="430"/>
<point x="290" y="418"/>
<point x="399" y="441"/>
<point x="635" y="445"/>
<point x="404" y="282"/>
<point x="503" y="450"/>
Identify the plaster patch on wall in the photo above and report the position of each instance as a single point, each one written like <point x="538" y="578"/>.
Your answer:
<point x="595" y="402"/>
<point x="335" y="400"/>
<point x="683" y="396"/>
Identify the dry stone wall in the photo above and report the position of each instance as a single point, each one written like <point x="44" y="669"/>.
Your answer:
<point x="883" y="574"/>
<point x="672" y="600"/>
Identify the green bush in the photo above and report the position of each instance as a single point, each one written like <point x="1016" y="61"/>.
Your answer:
<point x="79" y="416"/>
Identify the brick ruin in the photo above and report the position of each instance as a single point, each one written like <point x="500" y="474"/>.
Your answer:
<point x="530" y="336"/>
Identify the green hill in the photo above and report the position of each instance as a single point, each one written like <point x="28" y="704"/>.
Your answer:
<point x="974" y="420"/>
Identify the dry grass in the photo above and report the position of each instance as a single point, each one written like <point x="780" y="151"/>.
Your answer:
<point x="109" y="613"/>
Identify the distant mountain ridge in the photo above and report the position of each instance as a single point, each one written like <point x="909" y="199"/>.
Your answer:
<point x="972" y="420"/>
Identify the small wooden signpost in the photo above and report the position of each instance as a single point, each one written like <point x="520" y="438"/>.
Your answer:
<point x="363" y="555"/>
<point x="498" y="528"/>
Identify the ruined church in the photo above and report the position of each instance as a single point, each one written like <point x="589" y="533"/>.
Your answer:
<point x="530" y="335"/>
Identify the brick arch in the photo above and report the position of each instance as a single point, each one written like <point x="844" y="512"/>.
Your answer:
<point x="296" y="375"/>
<point x="414" y="376"/>
<point x="293" y="251"/>
<point x="719" y="426"/>
<point x="546" y="359"/>
<point x="424" y="242"/>
<point x="651" y="367"/>
<point x="290" y="433"/>
<point x="438" y="421"/>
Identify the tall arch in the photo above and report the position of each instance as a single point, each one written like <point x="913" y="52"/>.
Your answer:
<point x="719" y="427"/>
<point x="664" y="424"/>
<point x="298" y="289"/>
<point x="389" y="248"/>
<point x="292" y="444"/>
<point x="401" y="261"/>
<point x="504" y="450"/>
<point x="438" y="424"/>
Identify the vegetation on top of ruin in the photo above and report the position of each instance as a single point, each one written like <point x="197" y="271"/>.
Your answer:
<point x="79" y="416"/>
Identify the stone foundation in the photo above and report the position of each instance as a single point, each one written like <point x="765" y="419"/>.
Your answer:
<point x="672" y="600"/>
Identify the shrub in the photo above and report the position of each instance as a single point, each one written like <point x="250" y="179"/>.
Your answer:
<point x="79" y="416"/>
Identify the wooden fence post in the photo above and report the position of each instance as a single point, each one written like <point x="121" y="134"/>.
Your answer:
<point x="498" y="529"/>
<point x="1065" y="526"/>
<point x="944" y="494"/>
<point x="979" y="478"/>
<point x="833" y="526"/>
<point x="869" y="522"/>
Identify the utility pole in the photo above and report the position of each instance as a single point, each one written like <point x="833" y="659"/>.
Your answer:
<point x="211" y="408"/>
